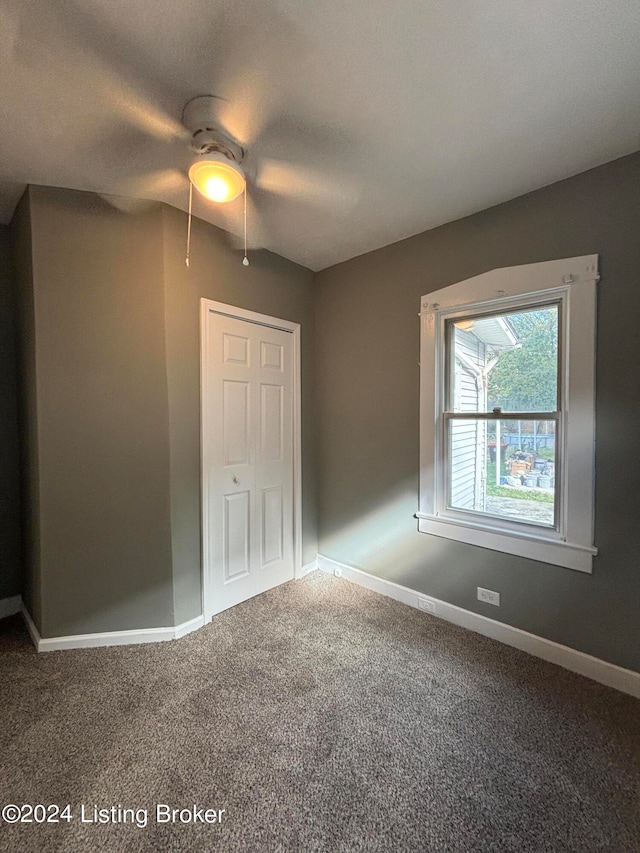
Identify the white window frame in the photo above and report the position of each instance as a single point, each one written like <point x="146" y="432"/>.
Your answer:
<point x="572" y="282"/>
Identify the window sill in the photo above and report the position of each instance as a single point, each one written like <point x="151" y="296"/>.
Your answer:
<point x="531" y="546"/>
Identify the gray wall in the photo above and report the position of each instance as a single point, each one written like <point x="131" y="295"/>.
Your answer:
<point x="270" y="285"/>
<point x="10" y="579"/>
<point x="111" y="401"/>
<point x="102" y="438"/>
<point x="367" y="384"/>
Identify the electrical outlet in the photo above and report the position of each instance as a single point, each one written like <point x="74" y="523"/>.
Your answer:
<point x="488" y="596"/>
<point x="337" y="572"/>
<point x="427" y="605"/>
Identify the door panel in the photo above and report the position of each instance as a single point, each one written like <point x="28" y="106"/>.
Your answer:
<point x="237" y="536"/>
<point x="236" y="349"/>
<point x="235" y="414"/>
<point x="248" y="453"/>
<point x="271" y="422"/>
<point x="271" y="355"/>
<point x="272" y="525"/>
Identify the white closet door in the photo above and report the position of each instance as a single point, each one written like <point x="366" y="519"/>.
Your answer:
<point x="249" y="453"/>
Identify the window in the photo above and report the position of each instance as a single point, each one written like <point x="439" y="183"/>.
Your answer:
<point x="507" y="411"/>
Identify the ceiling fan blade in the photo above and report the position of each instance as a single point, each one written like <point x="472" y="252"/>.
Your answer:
<point x="135" y="195"/>
<point x="260" y="43"/>
<point x="230" y="217"/>
<point x="154" y="184"/>
<point x="164" y="180"/>
<point x="57" y="42"/>
<point x="9" y="31"/>
<point x="141" y="113"/>
<point x="287" y="179"/>
<point x="245" y="111"/>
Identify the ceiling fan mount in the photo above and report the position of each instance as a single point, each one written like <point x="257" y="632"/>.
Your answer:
<point x="200" y="118"/>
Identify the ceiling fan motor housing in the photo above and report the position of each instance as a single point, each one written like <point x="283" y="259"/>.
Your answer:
<point x="199" y="117"/>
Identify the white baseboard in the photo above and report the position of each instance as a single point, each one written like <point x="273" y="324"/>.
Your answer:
<point x="625" y="680"/>
<point x="31" y="626"/>
<point x="9" y="606"/>
<point x="187" y="627"/>
<point x="308" y="567"/>
<point x="109" y="638"/>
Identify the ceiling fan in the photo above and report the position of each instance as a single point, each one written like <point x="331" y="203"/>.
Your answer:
<point x="216" y="170"/>
<point x="209" y="146"/>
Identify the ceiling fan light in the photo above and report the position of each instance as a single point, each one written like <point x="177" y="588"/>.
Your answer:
<point x="217" y="178"/>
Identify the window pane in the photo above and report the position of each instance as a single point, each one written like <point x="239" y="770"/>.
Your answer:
<point x="503" y="468"/>
<point x="507" y="360"/>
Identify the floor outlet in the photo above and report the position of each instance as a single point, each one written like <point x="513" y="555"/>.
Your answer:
<point x="337" y="572"/>
<point x="488" y="596"/>
<point x="426" y="605"/>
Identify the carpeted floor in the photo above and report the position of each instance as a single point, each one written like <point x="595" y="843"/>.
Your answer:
<point x="321" y="717"/>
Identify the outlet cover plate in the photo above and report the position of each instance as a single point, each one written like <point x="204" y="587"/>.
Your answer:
<point x="488" y="596"/>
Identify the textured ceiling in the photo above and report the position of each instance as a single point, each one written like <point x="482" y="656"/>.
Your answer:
<point x="365" y="121"/>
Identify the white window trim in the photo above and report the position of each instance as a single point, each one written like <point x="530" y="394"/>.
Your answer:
<point x="572" y="280"/>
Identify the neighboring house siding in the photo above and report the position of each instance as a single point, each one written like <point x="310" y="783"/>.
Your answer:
<point x="468" y="437"/>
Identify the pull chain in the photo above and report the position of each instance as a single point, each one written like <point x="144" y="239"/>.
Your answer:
<point x="245" y="260"/>
<point x="186" y="260"/>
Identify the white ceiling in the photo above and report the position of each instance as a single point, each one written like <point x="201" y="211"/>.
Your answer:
<point x="387" y="117"/>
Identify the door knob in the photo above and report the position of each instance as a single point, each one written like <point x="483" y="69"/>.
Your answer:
<point x="236" y="479"/>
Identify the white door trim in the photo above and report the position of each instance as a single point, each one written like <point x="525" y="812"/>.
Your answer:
<point x="208" y="306"/>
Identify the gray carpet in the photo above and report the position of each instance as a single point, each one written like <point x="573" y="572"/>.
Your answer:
<point x="322" y="717"/>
